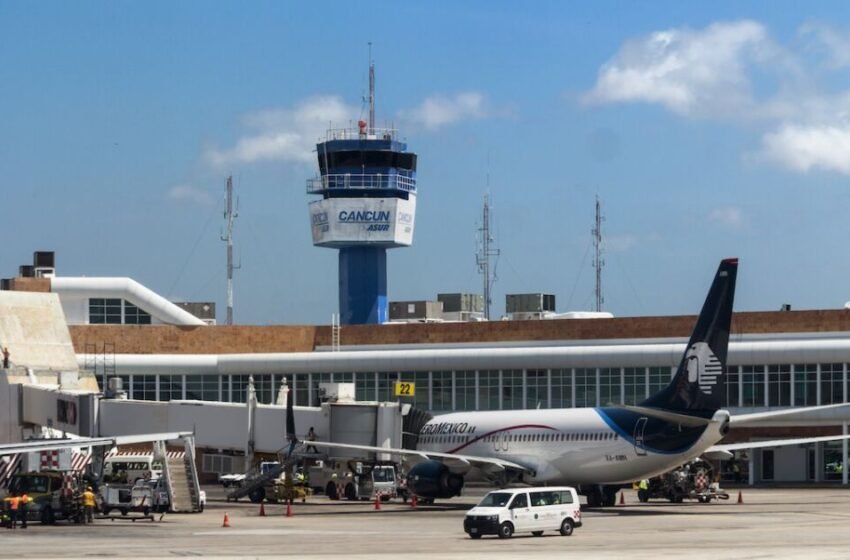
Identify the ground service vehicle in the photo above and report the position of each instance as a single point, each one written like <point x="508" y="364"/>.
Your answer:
<point x="55" y="495"/>
<point x="130" y="469"/>
<point x="534" y="510"/>
<point x="691" y="481"/>
<point x="360" y="481"/>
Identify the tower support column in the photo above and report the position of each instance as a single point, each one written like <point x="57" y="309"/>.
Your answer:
<point x="363" y="285"/>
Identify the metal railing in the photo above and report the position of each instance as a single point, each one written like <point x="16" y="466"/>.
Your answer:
<point x="358" y="133"/>
<point x="361" y="181"/>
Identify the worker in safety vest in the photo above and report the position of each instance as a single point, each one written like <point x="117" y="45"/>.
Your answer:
<point x="14" y="503"/>
<point x="89" y="504"/>
<point x="23" y="503"/>
<point x="643" y="490"/>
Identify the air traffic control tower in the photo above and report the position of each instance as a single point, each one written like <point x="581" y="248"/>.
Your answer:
<point x="368" y="187"/>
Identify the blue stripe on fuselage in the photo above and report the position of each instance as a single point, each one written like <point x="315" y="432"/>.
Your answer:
<point x="659" y="436"/>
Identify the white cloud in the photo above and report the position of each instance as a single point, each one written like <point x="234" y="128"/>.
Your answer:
<point x="806" y="147"/>
<point x="438" y="111"/>
<point x="191" y="194"/>
<point x="730" y="217"/>
<point x="833" y="45"/>
<point x="688" y="72"/>
<point x="283" y="134"/>
<point x="734" y="71"/>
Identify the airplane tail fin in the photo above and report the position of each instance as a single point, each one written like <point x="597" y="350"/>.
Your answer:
<point x="698" y="387"/>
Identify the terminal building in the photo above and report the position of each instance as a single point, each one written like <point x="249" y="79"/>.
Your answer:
<point x="777" y="359"/>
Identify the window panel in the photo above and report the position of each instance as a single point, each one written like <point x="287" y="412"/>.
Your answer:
<point x="779" y="385"/>
<point x="634" y="383"/>
<point x="562" y="388"/>
<point x="609" y="387"/>
<point x="488" y="390"/>
<point x="536" y="389"/>
<point x="512" y="389"/>
<point x="585" y="387"/>
<point x="464" y="390"/>
<point x="441" y="390"/>
<point x="752" y="385"/>
<point x="805" y="384"/>
<point x="831" y="383"/>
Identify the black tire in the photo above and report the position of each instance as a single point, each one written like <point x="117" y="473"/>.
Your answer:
<point x="331" y="491"/>
<point x="123" y="512"/>
<point x="537" y="533"/>
<point x="350" y="492"/>
<point x="704" y="499"/>
<point x="506" y="530"/>
<point x="642" y="496"/>
<point x="146" y="511"/>
<point x="385" y="497"/>
<point x="567" y="527"/>
<point x="475" y="536"/>
<point x="257" y="495"/>
<point x="47" y="516"/>
<point x="201" y="507"/>
<point x="106" y="511"/>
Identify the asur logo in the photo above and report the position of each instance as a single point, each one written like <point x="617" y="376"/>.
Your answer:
<point x="703" y="367"/>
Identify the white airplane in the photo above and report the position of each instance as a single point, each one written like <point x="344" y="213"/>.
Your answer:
<point x="599" y="450"/>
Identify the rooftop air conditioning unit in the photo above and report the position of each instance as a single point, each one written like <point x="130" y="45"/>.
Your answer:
<point x="45" y="272"/>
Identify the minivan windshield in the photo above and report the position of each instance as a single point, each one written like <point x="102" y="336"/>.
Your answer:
<point x="495" y="499"/>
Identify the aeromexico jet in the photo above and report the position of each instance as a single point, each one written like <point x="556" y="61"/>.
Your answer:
<point x="597" y="449"/>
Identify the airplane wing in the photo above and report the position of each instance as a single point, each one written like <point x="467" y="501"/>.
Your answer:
<point x="51" y="444"/>
<point x="771" y="443"/>
<point x="828" y="411"/>
<point x="450" y="459"/>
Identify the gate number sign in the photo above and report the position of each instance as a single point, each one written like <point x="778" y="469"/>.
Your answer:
<point x="405" y="389"/>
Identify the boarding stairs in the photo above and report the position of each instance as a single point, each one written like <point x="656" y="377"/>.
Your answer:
<point x="181" y="478"/>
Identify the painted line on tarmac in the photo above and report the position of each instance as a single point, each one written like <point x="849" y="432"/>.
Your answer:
<point x="275" y="532"/>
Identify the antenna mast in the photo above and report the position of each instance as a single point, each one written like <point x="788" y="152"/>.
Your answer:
<point x="484" y="254"/>
<point x="371" y="91"/>
<point x="598" y="261"/>
<point x="229" y="216"/>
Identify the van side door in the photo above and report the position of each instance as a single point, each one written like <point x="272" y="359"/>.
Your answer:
<point x="521" y="515"/>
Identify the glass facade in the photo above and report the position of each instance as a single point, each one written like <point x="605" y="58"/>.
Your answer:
<point x="748" y="386"/>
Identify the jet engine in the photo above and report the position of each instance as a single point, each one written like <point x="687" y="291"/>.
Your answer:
<point x="433" y="479"/>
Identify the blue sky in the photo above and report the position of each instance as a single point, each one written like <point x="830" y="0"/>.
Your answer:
<point x="708" y="130"/>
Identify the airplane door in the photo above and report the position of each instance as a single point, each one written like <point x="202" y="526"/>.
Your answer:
<point x="500" y="442"/>
<point x="640" y="444"/>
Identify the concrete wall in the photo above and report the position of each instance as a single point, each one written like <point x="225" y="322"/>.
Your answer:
<point x="32" y="326"/>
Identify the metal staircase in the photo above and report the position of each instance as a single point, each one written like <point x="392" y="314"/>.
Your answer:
<point x="181" y="477"/>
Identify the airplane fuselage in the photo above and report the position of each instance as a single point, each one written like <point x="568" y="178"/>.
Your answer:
<point x="606" y="445"/>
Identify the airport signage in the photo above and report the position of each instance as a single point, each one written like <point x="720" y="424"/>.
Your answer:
<point x="346" y="222"/>
<point x="405" y="389"/>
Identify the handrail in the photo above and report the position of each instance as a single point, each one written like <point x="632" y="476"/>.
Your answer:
<point x="361" y="181"/>
<point x="361" y="134"/>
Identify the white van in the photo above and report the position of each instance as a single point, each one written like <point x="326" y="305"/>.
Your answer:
<point x="534" y="510"/>
<point x="130" y="469"/>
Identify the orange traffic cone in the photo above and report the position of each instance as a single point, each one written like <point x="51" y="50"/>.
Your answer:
<point x="413" y="501"/>
<point x="377" y="502"/>
<point x="226" y="520"/>
<point x="289" y="508"/>
<point x="622" y="499"/>
<point x="262" y="509"/>
<point x="740" y="497"/>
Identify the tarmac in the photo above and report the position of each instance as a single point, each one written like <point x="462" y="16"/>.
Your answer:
<point x="770" y="523"/>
